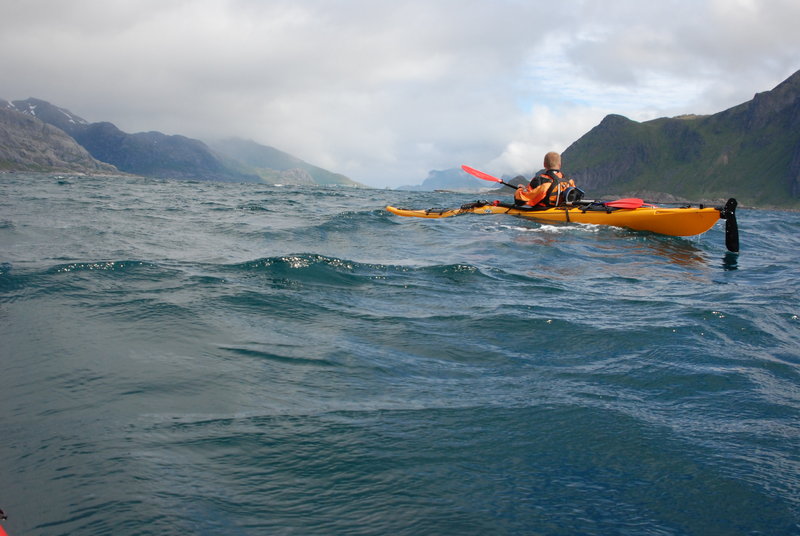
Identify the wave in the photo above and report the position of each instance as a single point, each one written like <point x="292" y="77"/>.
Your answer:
<point x="309" y="266"/>
<point x="122" y="266"/>
<point x="587" y="292"/>
<point x="301" y="266"/>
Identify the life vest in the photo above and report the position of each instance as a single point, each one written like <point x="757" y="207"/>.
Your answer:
<point x="545" y="189"/>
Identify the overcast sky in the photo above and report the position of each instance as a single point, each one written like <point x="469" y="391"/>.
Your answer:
<point x="385" y="91"/>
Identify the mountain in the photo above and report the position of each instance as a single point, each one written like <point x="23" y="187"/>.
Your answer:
<point x="50" y="114"/>
<point x="750" y="151"/>
<point x="29" y="144"/>
<point x="275" y="166"/>
<point x="154" y="154"/>
<point x="151" y="154"/>
<point x="449" y="179"/>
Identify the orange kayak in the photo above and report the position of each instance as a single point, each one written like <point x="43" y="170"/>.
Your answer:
<point x="684" y="221"/>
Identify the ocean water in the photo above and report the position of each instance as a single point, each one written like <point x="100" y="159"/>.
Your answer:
<point x="238" y="359"/>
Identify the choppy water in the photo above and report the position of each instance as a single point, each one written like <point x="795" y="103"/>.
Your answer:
<point x="198" y="358"/>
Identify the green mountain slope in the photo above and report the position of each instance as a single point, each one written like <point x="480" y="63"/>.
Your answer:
<point x="750" y="151"/>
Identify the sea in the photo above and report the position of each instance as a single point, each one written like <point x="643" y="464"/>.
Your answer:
<point x="207" y="358"/>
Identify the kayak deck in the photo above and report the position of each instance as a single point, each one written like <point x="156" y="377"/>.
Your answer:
<point x="684" y="221"/>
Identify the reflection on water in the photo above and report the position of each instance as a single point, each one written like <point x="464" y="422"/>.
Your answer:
<point x="675" y="250"/>
<point x="605" y="243"/>
<point x="730" y="261"/>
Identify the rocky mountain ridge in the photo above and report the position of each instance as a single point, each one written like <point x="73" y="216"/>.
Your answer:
<point x="29" y="144"/>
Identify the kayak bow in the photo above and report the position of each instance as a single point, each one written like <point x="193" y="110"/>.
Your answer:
<point x="684" y="221"/>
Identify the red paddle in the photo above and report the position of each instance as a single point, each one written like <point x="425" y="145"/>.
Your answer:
<point x="628" y="202"/>
<point x="485" y="176"/>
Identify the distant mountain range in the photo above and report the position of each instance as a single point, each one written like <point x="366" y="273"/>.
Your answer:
<point x="750" y="151"/>
<point x="455" y="180"/>
<point x="38" y="136"/>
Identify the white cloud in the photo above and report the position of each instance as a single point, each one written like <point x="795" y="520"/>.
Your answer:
<point x="386" y="91"/>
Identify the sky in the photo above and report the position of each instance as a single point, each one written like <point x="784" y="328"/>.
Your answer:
<point x="385" y="91"/>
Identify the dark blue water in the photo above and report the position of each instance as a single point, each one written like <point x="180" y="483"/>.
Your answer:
<point x="196" y="358"/>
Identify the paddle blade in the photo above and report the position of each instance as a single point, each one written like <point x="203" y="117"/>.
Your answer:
<point x="731" y="225"/>
<point x="628" y="202"/>
<point x="481" y="174"/>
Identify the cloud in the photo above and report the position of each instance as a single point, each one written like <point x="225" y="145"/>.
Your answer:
<point x="386" y="91"/>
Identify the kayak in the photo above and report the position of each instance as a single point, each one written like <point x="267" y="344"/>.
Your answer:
<point x="668" y="221"/>
<point x="683" y="221"/>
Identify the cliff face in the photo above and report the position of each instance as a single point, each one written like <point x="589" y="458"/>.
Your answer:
<point x="750" y="151"/>
<point x="28" y="144"/>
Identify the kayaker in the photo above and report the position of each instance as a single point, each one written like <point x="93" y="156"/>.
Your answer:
<point x="544" y="188"/>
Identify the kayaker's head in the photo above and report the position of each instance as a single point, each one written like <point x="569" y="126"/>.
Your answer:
<point x="552" y="160"/>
